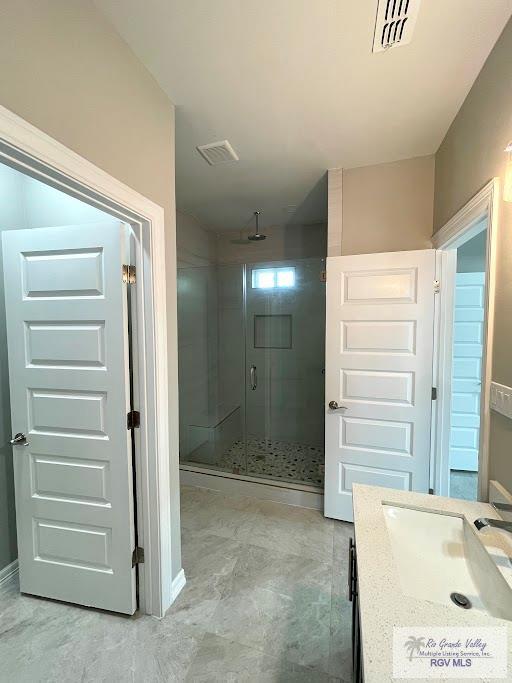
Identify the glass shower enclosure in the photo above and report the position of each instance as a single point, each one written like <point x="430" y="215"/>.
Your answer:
<point x="251" y="364"/>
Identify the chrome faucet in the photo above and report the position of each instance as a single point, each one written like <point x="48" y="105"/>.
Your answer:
<point x="482" y="522"/>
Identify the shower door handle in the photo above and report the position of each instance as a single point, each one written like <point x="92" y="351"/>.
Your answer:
<point x="254" y="378"/>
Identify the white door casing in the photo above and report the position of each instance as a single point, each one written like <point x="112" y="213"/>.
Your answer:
<point x="468" y="326"/>
<point x="379" y="352"/>
<point x="66" y="309"/>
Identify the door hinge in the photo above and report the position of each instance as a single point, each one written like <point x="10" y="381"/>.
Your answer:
<point x="323" y="276"/>
<point x="437" y="286"/>
<point x="137" y="556"/>
<point x="434" y="393"/>
<point x="133" y="419"/>
<point x="129" y="275"/>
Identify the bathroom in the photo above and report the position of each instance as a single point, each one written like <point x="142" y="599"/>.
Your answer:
<point x="256" y="378"/>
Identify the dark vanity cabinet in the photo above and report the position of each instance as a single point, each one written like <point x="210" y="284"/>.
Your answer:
<point x="353" y="596"/>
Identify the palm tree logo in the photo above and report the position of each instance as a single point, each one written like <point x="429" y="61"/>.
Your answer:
<point x="413" y="645"/>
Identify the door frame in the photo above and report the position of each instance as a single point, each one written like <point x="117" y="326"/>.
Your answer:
<point x="34" y="153"/>
<point x="479" y="213"/>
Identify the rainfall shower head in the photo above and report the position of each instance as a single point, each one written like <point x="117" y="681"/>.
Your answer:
<point x="257" y="236"/>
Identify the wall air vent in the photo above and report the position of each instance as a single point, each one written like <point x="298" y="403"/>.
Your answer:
<point x="218" y="152"/>
<point x="394" y="24"/>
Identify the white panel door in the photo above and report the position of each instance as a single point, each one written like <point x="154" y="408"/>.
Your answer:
<point x="379" y="346"/>
<point x="467" y="371"/>
<point x="66" y="310"/>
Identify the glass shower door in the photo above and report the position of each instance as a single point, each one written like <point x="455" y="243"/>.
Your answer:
<point x="251" y="375"/>
<point x="211" y="340"/>
<point x="284" y="344"/>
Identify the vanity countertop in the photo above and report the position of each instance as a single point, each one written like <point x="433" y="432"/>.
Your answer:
<point x="382" y="602"/>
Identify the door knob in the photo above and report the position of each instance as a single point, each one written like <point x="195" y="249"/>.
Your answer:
<point x="333" y="405"/>
<point x="19" y="440"/>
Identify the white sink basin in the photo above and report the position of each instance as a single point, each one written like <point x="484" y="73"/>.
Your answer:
<point x="437" y="555"/>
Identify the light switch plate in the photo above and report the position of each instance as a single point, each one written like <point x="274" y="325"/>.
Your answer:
<point x="501" y="399"/>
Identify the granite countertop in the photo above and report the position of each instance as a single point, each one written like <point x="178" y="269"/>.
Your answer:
<point x="383" y="604"/>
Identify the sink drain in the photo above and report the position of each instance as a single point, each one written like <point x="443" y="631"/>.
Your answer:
<point x="460" y="600"/>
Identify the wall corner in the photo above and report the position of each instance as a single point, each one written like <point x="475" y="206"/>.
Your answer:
<point x="334" y="210"/>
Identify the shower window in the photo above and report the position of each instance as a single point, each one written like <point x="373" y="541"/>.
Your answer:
<point x="270" y="278"/>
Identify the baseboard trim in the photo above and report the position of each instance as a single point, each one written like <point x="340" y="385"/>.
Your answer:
<point x="255" y="488"/>
<point x="178" y="584"/>
<point x="7" y="572"/>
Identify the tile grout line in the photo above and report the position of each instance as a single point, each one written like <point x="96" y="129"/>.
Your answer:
<point x="193" y="659"/>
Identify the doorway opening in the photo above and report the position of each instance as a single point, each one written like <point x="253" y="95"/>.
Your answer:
<point x="36" y="155"/>
<point x="467" y="353"/>
<point x="68" y="396"/>
<point x="466" y="270"/>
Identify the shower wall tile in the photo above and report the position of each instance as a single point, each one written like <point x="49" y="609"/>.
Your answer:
<point x="231" y="335"/>
<point x="197" y="332"/>
<point x="284" y="242"/>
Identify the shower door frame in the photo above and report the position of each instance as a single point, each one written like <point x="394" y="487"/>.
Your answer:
<point x="280" y="490"/>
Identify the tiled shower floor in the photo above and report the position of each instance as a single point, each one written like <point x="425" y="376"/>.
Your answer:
<point x="293" y="462"/>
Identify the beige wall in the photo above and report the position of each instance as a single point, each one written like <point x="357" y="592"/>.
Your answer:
<point x="470" y="155"/>
<point x="65" y="70"/>
<point x="388" y="207"/>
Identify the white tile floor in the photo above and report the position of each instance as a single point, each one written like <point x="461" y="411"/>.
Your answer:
<point x="264" y="601"/>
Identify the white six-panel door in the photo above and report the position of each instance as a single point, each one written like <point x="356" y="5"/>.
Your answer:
<point x="467" y="371"/>
<point x="379" y="348"/>
<point x="68" y="372"/>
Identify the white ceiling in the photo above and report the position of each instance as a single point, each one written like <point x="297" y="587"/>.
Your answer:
<point x="295" y="88"/>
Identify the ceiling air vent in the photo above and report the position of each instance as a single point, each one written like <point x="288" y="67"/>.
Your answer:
<point x="218" y="152"/>
<point x="395" y="23"/>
